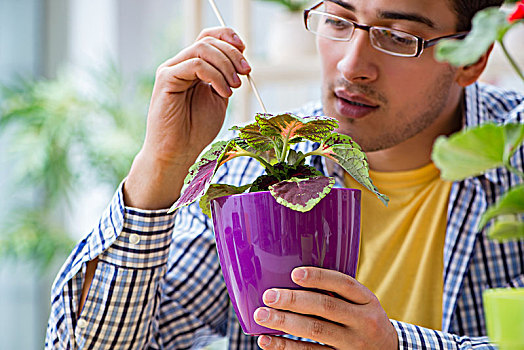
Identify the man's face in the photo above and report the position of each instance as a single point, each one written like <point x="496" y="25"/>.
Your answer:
<point x="381" y="100"/>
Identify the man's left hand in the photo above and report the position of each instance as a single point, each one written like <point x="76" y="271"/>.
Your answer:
<point x="354" y="319"/>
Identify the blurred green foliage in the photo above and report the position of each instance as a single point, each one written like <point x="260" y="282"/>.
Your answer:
<point x="60" y="132"/>
<point x="478" y="149"/>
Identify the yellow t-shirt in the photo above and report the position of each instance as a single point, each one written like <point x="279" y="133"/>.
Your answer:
<point x="401" y="251"/>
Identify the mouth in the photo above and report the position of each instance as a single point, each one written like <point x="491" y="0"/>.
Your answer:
<point x="353" y="106"/>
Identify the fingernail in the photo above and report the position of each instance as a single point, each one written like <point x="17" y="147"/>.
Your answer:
<point x="299" y="274"/>
<point x="244" y="64"/>
<point x="237" y="39"/>
<point x="236" y="79"/>
<point x="261" y="315"/>
<point x="264" y="340"/>
<point x="271" y="296"/>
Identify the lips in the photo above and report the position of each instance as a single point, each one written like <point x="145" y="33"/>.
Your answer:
<point x="353" y="105"/>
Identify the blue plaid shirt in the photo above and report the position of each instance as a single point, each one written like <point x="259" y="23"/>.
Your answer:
<point x="158" y="284"/>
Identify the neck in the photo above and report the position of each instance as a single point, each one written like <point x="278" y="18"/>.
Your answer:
<point x="416" y="151"/>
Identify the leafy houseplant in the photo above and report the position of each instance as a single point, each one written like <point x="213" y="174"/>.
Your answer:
<point x="291" y="182"/>
<point x="479" y="149"/>
<point x="290" y="217"/>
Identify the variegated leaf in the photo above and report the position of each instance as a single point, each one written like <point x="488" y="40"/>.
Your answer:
<point x="219" y="190"/>
<point x="200" y="174"/>
<point x="302" y="194"/>
<point x="237" y="147"/>
<point x="341" y="149"/>
<point x="292" y="128"/>
<point x="251" y="134"/>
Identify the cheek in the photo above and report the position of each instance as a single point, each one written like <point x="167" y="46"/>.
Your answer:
<point x="407" y="79"/>
<point x="329" y="55"/>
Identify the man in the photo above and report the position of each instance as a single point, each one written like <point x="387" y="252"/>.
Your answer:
<point x="143" y="279"/>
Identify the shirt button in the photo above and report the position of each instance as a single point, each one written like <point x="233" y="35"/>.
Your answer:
<point x="134" y="238"/>
<point x="108" y="233"/>
<point x="82" y="323"/>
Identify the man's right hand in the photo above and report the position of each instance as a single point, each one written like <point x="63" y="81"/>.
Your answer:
<point x="186" y="112"/>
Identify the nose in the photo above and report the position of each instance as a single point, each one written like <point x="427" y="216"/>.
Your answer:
<point x="359" y="61"/>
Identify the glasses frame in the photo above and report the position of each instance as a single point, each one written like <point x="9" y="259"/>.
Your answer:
<point x="421" y="42"/>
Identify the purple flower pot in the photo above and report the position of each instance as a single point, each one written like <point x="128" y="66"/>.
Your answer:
<point x="259" y="242"/>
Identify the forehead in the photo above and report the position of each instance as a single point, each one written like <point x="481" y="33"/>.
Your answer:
<point x="439" y="12"/>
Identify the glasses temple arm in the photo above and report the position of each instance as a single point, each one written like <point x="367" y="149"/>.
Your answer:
<point x="433" y="42"/>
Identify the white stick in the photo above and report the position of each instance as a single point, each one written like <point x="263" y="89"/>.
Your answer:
<point x="249" y="79"/>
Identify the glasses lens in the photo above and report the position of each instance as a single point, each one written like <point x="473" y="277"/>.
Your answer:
<point x="394" y="41"/>
<point x="329" y="26"/>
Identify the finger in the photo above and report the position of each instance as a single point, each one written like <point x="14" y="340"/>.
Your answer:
<point x="235" y="57"/>
<point x="312" y="303"/>
<point x="299" y="325"/>
<point x="345" y="286"/>
<point x="180" y="77"/>
<point x="223" y="56"/>
<point x="267" y="342"/>
<point x="218" y="59"/>
<point x="224" y="34"/>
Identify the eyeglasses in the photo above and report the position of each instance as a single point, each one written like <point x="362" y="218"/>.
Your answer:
<point x="390" y="41"/>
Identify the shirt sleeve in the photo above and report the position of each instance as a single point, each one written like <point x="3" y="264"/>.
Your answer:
<point x="132" y="247"/>
<point x="420" y="338"/>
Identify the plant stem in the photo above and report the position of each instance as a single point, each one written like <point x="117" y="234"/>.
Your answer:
<point x="303" y="157"/>
<point x="277" y="150"/>
<point x="258" y="158"/>
<point x="511" y="61"/>
<point x="312" y="153"/>
<point x="515" y="171"/>
<point x="284" y="150"/>
<point x="263" y="162"/>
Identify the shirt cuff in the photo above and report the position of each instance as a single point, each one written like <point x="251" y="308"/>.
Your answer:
<point x="143" y="239"/>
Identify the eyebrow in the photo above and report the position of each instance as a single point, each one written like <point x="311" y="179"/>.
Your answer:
<point x="406" y="16"/>
<point x="343" y="4"/>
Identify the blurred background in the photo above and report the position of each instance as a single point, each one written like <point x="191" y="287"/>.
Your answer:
<point x="75" y="82"/>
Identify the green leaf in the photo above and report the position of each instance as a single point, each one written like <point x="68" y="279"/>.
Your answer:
<point x="513" y="137"/>
<point x="488" y="26"/>
<point x="473" y="151"/>
<point x="511" y="203"/>
<point x="506" y="230"/>
<point x="345" y="152"/>
<point x="219" y="190"/>
<point x="201" y="173"/>
<point x="291" y="128"/>
<point x="294" y="157"/>
<point x="302" y="194"/>
<point x="251" y="134"/>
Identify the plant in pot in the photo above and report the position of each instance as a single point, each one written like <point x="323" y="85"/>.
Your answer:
<point x="478" y="149"/>
<point x="287" y="37"/>
<point x="290" y="216"/>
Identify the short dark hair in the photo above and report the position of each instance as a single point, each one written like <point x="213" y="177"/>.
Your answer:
<point x="466" y="9"/>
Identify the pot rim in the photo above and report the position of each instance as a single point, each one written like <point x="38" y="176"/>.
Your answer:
<point x="505" y="293"/>
<point x="267" y="192"/>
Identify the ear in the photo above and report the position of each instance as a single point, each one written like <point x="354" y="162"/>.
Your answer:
<point x="467" y="75"/>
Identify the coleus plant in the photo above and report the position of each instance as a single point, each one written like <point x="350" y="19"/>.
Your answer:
<point x="290" y="180"/>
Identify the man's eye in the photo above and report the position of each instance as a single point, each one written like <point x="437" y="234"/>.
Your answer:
<point x="336" y="23"/>
<point x="400" y="38"/>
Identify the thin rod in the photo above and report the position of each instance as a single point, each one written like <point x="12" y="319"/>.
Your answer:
<point x="249" y="79"/>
